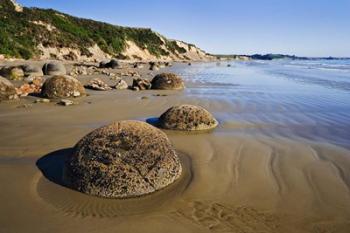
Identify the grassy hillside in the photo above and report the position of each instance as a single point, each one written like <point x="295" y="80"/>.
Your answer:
<point x="19" y="36"/>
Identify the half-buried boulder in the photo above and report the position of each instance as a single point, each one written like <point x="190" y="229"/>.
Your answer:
<point x="121" y="160"/>
<point x="187" y="118"/>
<point x="62" y="86"/>
<point x="7" y="90"/>
<point x="167" y="81"/>
<point x="54" y="68"/>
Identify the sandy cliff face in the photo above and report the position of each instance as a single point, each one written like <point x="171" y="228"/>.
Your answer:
<point x="131" y="52"/>
<point x="192" y="53"/>
<point x="54" y="35"/>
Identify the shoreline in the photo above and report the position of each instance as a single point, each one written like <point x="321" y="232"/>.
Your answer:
<point x="242" y="180"/>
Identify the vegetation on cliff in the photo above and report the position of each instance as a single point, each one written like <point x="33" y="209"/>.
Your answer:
<point x="21" y="33"/>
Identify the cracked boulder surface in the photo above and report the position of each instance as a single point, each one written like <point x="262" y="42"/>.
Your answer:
<point x="121" y="160"/>
<point x="187" y="118"/>
<point x="167" y="81"/>
<point x="61" y="86"/>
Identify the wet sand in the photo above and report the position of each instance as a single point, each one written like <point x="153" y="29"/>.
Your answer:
<point x="238" y="178"/>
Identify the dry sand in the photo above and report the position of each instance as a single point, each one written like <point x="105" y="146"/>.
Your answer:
<point x="233" y="182"/>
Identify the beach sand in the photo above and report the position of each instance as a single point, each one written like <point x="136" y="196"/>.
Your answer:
<point x="232" y="181"/>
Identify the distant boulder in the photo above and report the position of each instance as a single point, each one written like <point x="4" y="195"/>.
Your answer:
<point x="141" y="84"/>
<point x="62" y="86"/>
<point x="54" y="68"/>
<point x="32" y="70"/>
<point x="113" y="64"/>
<point x="121" y="160"/>
<point x="98" y="85"/>
<point x="167" y="81"/>
<point x="12" y="73"/>
<point x="7" y="90"/>
<point x="187" y="118"/>
<point x="153" y="66"/>
<point x="121" y="85"/>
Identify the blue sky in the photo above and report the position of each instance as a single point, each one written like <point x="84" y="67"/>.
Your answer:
<point x="301" y="27"/>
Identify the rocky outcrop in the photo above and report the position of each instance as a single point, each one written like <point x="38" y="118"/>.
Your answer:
<point x="98" y="85"/>
<point x="167" y="81"/>
<point x="7" y="90"/>
<point x="54" y="68"/>
<point x="121" y="160"/>
<point x="32" y="87"/>
<point x="62" y="86"/>
<point x="140" y="84"/>
<point x="187" y="118"/>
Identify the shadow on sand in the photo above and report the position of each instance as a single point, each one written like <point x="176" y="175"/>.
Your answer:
<point x="52" y="165"/>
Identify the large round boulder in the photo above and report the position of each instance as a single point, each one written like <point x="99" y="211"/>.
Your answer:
<point x="121" y="160"/>
<point x="32" y="70"/>
<point x="7" y="90"/>
<point x="61" y="86"/>
<point x="167" y="81"/>
<point x="54" y="68"/>
<point x="187" y="118"/>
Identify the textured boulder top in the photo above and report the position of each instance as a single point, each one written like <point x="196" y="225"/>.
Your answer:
<point x="54" y="68"/>
<point x="61" y="86"/>
<point x="187" y="118"/>
<point x="167" y="81"/>
<point x="121" y="160"/>
<point x="7" y="90"/>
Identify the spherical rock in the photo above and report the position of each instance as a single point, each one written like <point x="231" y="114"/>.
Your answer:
<point x="32" y="70"/>
<point x="7" y="90"/>
<point x="13" y="73"/>
<point x="167" y="81"/>
<point x="62" y="86"/>
<point x="187" y="118"/>
<point x="54" y="68"/>
<point x="113" y="64"/>
<point x="124" y="159"/>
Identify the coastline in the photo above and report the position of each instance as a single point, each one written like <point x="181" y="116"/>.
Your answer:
<point x="242" y="180"/>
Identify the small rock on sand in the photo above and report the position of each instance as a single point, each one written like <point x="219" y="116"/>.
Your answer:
<point x="65" y="102"/>
<point x="43" y="100"/>
<point x="98" y="85"/>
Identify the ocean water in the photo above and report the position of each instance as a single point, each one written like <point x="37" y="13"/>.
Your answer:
<point x="289" y="98"/>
